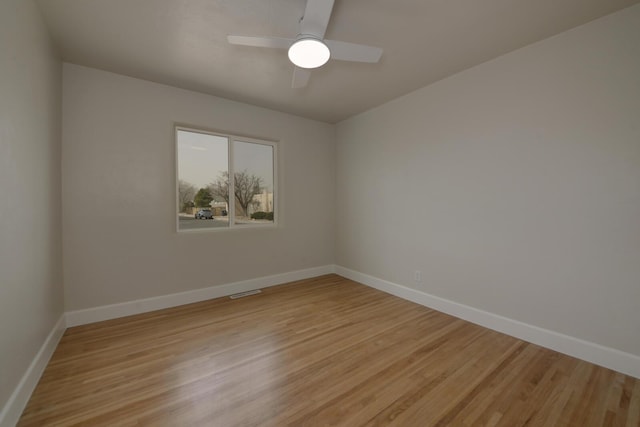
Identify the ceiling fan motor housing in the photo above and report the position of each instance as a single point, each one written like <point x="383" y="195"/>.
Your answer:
<point x="309" y="52"/>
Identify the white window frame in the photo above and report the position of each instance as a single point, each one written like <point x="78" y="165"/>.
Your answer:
<point x="231" y="138"/>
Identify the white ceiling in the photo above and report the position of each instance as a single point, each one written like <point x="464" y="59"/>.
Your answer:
<point x="183" y="43"/>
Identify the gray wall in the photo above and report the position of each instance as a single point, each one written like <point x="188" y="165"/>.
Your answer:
<point x="31" y="297"/>
<point x="120" y="242"/>
<point x="513" y="186"/>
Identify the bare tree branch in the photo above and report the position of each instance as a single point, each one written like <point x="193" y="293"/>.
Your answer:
<point x="220" y="188"/>
<point x="186" y="193"/>
<point x="245" y="188"/>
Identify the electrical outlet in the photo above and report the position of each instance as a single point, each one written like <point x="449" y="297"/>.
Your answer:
<point x="417" y="276"/>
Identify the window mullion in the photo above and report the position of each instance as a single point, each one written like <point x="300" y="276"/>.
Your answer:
<point x="232" y="197"/>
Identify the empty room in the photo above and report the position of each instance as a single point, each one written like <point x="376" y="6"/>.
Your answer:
<point x="319" y="213"/>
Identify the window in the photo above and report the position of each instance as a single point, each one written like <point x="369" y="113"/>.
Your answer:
<point x="207" y="198"/>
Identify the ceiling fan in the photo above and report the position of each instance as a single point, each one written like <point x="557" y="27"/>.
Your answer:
<point x="310" y="49"/>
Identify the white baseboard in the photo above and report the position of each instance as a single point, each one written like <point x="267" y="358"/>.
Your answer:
<point x="617" y="360"/>
<point x="112" y="311"/>
<point x="11" y="412"/>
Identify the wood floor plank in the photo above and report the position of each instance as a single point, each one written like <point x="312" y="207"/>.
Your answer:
<point x="319" y="352"/>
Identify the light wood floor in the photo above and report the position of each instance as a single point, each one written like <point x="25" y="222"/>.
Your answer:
<point x="325" y="352"/>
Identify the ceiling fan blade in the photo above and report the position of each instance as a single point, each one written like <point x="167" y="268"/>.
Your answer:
<point x="300" y="77"/>
<point x="344" y="51"/>
<point x="272" y="42"/>
<point x="316" y="17"/>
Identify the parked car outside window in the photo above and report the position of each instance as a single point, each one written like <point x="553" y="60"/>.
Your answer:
<point x="204" y="214"/>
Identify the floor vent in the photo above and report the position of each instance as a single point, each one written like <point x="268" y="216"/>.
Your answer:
<point x="245" y="294"/>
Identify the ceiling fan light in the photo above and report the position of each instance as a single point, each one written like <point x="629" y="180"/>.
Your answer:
<point x="309" y="53"/>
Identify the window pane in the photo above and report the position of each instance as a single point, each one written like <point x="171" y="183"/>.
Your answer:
<point x="253" y="182"/>
<point x="203" y="189"/>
